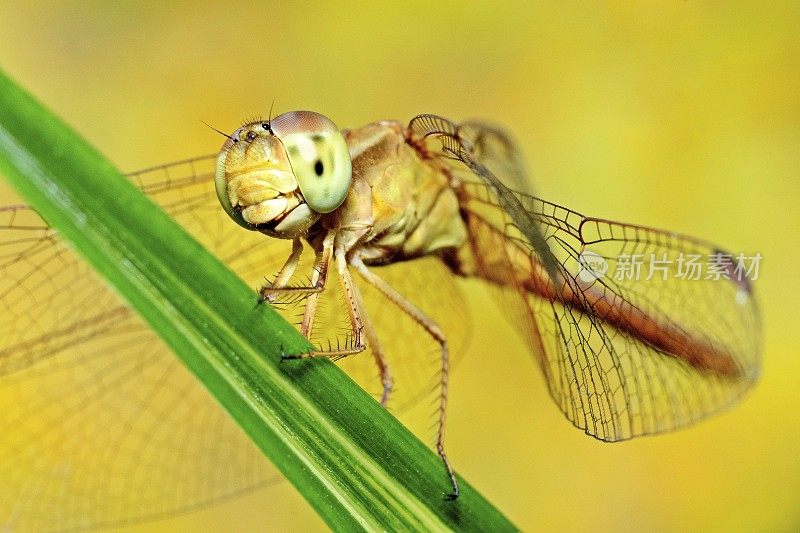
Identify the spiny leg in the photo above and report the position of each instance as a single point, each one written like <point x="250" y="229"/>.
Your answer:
<point x="433" y="329"/>
<point x="351" y="299"/>
<point x="286" y="271"/>
<point x="319" y="276"/>
<point x="318" y="282"/>
<point x="385" y="373"/>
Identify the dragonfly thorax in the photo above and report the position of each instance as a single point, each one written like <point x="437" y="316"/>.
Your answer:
<point x="400" y="205"/>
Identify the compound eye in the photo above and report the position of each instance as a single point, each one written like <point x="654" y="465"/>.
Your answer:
<point x="319" y="157"/>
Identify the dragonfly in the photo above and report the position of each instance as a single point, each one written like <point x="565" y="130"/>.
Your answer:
<point x="96" y="417"/>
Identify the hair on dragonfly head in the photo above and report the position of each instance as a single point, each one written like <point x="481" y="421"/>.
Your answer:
<point x="220" y="132"/>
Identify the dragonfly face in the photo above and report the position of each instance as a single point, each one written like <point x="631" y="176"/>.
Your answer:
<point x="278" y="176"/>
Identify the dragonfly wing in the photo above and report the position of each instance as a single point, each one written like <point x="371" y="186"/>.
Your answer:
<point x="623" y="355"/>
<point x="99" y="424"/>
<point x="498" y="152"/>
<point x="478" y="148"/>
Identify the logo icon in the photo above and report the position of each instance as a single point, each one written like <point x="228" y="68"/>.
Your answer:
<point x="593" y="266"/>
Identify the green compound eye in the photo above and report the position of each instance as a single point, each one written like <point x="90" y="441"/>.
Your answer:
<point x="319" y="157"/>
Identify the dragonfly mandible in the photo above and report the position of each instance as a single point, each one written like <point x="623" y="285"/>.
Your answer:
<point x="408" y="209"/>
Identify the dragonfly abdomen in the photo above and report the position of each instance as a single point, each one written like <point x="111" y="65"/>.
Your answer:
<point x="490" y="255"/>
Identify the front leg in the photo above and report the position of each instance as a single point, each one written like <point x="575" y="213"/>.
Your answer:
<point x="360" y="323"/>
<point x="271" y="291"/>
<point x="317" y="284"/>
<point x="352" y="299"/>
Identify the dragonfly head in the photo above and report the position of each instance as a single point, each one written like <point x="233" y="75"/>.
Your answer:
<point x="279" y="176"/>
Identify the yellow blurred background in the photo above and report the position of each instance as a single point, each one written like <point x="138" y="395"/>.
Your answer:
<point x="679" y="115"/>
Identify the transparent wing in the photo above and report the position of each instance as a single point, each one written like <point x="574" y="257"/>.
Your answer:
<point x="623" y="354"/>
<point x="497" y="152"/>
<point x="99" y="424"/>
<point x="479" y="148"/>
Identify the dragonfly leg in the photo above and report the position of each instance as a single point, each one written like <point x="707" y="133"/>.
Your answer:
<point x="268" y="291"/>
<point x="434" y="331"/>
<point x="271" y="291"/>
<point x="318" y="279"/>
<point x="352" y="298"/>
<point x="384" y="371"/>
